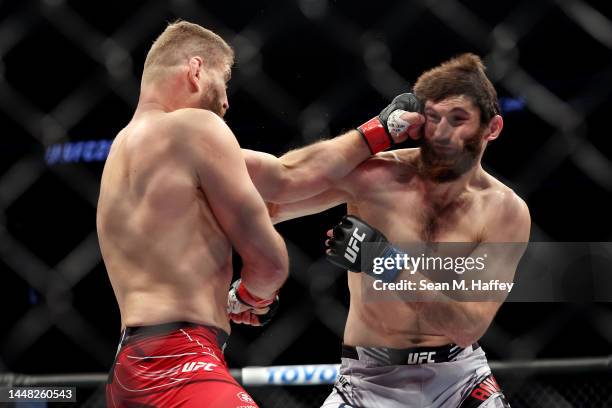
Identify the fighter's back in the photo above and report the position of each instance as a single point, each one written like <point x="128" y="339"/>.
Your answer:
<point x="166" y="256"/>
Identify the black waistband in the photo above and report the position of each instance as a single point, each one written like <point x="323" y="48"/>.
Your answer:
<point x="141" y="332"/>
<point x="410" y="356"/>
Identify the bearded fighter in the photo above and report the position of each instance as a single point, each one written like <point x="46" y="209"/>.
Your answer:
<point x="417" y="353"/>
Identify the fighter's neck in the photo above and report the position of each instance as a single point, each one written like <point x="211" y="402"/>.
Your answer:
<point x="165" y="96"/>
<point x="152" y="100"/>
<point x="147" y="106"/>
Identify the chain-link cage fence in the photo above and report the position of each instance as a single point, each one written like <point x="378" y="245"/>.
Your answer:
<point x="306" y="69"/>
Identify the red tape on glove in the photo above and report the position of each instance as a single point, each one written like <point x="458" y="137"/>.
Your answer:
<point x="375" y="135"/>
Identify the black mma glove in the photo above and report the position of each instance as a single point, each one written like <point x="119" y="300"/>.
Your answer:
<point x="346" y="249"/>
<point x="379" y="131"/>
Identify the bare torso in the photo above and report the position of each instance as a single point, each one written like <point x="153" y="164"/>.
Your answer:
<point x="166" y="256"/>
<point x="390" y="196"/>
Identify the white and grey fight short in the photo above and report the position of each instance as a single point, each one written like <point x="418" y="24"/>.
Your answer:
<point x="446" y="376"/>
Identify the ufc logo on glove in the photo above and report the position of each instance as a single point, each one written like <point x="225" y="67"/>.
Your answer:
<point x="353" y="246"/>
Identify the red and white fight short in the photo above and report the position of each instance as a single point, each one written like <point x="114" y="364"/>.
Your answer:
<point x="173" y="365"/>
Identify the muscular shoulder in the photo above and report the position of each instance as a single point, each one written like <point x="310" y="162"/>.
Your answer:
<point x="192" y="137"/>
<point x="195" y="133"/>
<point x="197" y="123"/>
<point x="507" y="214"/>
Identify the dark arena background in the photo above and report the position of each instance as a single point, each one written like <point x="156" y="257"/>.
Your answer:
<point x="305" y="70"/>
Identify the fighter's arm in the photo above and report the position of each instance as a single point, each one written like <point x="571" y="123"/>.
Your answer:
<point x="340" y="191"/>
<point x="222" y="175"/>
<point x="347" y="189"/>
<point x="305" y="172"/>
<point x="466" y="322"/>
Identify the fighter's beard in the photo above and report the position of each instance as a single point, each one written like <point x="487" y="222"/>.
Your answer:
<point x="441" y="168"/>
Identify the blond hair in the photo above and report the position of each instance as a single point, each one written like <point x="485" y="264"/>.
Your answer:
<point x="182" y="40"/>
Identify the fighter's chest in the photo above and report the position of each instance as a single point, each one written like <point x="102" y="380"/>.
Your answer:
<point x="405" y="216"/>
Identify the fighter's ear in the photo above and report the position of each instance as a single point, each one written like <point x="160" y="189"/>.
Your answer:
<point x="195" y="72"/>
<point x="494" y="128"/>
